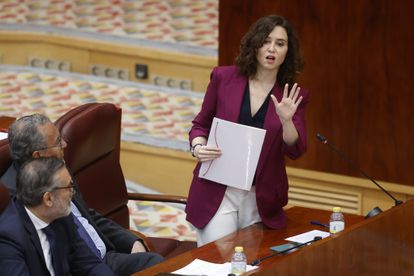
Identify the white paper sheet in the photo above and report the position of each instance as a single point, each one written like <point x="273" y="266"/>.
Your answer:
<point x="3" y="135"/>
<point x="240" y="146"/>
<point x="204" y="268"/>
<point x="308" y="236"/>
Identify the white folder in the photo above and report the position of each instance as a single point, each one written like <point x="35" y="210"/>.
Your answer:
<point x="240" y="146"/>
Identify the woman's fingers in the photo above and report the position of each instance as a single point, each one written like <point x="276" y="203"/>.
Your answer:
<point x="298" y="102"/>
<point x="296" y="94"/>
<point x="211" y="148"/>
<point x="293" y="94"/>
<point x="207" y="153"/>
<point x="275" y="102"/>
<point x="286" y="91"/>
<point x="293" y="91"/>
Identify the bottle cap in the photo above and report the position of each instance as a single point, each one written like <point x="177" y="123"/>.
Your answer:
<point x="238" y="249"/>
<point x="337" y="209"/>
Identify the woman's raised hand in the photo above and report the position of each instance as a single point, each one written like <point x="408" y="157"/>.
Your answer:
<point x="287" y="107"/>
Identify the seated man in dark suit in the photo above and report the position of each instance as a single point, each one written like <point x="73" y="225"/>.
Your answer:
<point x="37" y="232"/>
<point x="36" y="136"/>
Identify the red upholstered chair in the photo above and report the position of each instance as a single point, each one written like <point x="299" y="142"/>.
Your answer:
<point x="4" y="197"/>
<point x="92" y="132"/>
<point x="5" y="159"/>
<point x="5" y="162"/>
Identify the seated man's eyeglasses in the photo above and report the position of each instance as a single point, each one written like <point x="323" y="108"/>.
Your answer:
<point x="58" y="144"/>
<point x="70" y="186"/>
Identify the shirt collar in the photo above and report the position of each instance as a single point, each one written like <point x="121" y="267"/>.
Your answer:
<point x="37" y="222"/>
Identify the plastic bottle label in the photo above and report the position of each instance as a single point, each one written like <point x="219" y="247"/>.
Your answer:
<point x="336" y="226"/>
<point x="238" y="268"/>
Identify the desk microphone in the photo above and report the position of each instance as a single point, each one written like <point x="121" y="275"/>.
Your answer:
<point x="258" y="261"/>
<point x="376" y="210"/>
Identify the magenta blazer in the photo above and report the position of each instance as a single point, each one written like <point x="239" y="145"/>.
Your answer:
<point x="223" y="100"/>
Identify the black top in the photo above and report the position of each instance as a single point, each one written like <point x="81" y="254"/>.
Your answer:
<point x="246" y="118"/>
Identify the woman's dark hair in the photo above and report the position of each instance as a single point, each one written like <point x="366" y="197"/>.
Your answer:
<point x="254" y="39"/>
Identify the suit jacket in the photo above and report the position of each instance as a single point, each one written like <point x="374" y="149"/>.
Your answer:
<point x="115" y="237"/>
<point x="223" y="99"/>
<point x="21" y="252"/>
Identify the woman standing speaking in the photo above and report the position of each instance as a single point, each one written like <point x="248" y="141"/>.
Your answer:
<point x="259" y="91"/>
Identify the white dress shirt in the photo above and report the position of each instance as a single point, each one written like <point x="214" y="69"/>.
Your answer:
<point x="44" y="242"/>
<point x="89" y="228"/>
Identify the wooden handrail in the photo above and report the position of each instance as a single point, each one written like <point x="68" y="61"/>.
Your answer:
<point x="158" y="198"/>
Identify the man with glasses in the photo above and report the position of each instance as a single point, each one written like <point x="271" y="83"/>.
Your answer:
<point x="37" y="233"/>
<point x="36" y="136"/>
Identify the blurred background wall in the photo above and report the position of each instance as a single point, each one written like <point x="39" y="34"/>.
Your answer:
<point x="358" y="68"/>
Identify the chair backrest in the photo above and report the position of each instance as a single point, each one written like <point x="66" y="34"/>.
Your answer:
<point x="5" y="158"/>
<point x="92" y="132"/>
<point x="4" y="197"/>
<point x="5" y="161"/>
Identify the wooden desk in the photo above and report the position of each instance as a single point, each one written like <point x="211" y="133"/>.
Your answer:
<point x="255" y="239"/>
<point x="381" y="245"/>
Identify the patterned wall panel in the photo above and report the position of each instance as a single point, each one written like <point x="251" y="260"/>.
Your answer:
<point x="151" y="114"/>
<point x="183" y="22"/>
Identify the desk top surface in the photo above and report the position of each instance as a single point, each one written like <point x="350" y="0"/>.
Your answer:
<point x="256" y="240"/>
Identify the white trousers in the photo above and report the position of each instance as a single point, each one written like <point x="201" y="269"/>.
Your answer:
<point x="237" y="210"/>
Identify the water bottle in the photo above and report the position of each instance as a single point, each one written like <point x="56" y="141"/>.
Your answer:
<point x="238" y="261"/>
<point x="336" y="222"/>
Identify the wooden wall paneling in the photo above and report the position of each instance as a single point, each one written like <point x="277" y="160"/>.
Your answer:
<point x="19" y="53"/>
<point x="358" y="65"/>
<point x="16" y="47"/>
<point x="163" y="170"/>
<point x="198" y="74"/>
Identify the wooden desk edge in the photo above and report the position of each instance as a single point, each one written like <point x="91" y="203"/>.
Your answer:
<point x="300" y="217"/>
